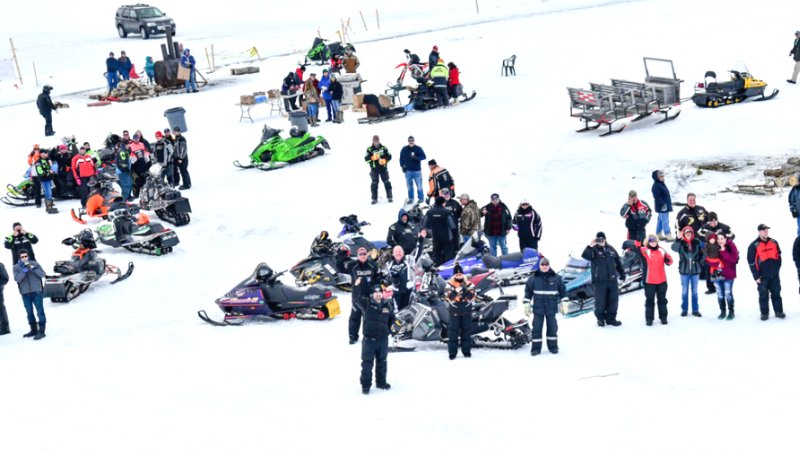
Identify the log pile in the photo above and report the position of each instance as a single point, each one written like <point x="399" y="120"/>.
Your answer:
<point x="131" y="90"/>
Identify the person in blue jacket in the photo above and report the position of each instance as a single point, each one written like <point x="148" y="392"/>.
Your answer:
<point x="187" y="61"/>
<point x="410" y="157"/>
<point x="663" y="203"/>
<point x="324" y="85"/>
<point x="112" y="67"/>
<point x="125" y="66"/>
<point x="150" y="69"/>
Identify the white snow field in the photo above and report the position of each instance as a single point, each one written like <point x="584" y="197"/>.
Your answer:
<point x="131" y="366"/>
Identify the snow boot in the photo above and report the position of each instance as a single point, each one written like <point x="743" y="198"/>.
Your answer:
<point x="684" y="313"/>
<point x="722" y="313"/>
<point x="664" y="321"/>
<point x="374" y="200"/>
<point x="765" y="317"/>
<point x="780" y="315"/>
<point x="33" y="331"/>
<point x="554" y="351"/>
<point x="365" y="391"/>
<point x="313" y="121"/>
<point x="535" y="352"/>
<point x="384" y="386"/>
<point x="4" y="330"/>
<point x="452" y="357"/>
<point x="668" y="237"/>
<point x="340" y="116"/>
<point x="467" y="355"/>
<point x="40" y="334"/>
<point x="649" y="322"/>
<point x="697" y="314"/>
<point x="49" y="207"/>
<point x="730" y="311"/>
<point x="614" y="323"/>
<point x="601" y="323"/>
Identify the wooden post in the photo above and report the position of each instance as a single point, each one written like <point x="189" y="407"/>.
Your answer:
<point x="34" y="74"/>
<point x="377" y="16"/>
<point x="14" y="52"/>
<point x="213" y="62"/>
<point x="476" y="7"/>
<point x="318" y="33"/>
<point x="259" y="56"/>
<point x="365" y="22"/>
<point x="349" y="26"/>
<point x="208" y="58"/>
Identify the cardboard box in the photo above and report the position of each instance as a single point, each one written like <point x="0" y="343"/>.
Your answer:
<point x="184" y="73"/>
<point x="259" y="93"/>
<point x="247" y="100"/>
<point x="358" y="101"/>
<point x="350" y="65"/>
<point x="385" y="100"/>
<point x="273" y="93"/>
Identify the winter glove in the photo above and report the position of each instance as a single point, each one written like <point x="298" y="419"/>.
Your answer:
<point x="78" y="180"/>
<point x="622" y="278"/>
<point x="794" y="213"/>
<point x="452" y="296"/>
<point x="664" y="208"/>
<point x="527" y="309"/>
<point x="404" y="170"/>
<point x="25" y="270"/>
<point x="382" y="162"/>
<point x="375" y="157"/>
<point x="68" y="241"/>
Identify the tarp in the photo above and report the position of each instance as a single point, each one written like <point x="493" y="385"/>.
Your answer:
<point x="7" y="72"/>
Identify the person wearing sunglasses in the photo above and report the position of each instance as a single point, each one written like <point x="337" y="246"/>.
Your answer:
<point x="364" y="274"/>
<point x="29" y="274"/>
<point x="654" y="259"/>
<point x="528" y="224"/>
<point x="546" y="290"/>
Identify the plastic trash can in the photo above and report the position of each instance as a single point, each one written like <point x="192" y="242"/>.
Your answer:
<point x="299" y="119"/>
<point x="176" y="118"/>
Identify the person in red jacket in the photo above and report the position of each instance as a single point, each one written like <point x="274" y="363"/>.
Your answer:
<point x="453" y="82"/>
<point x="654" y="258"/>
<point x="83" y="169"/>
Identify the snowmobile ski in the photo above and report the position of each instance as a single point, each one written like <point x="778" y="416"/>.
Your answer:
<point x="203" y="315"/>
<point x="78" y="219"/>
<point x="612" y="131"/>
<point x="15" y="202"/>
<point x="123" y="277"/>
<point x="767" y="97"/>
<point x="467" y="98"/>
<point x="239" y="165"/>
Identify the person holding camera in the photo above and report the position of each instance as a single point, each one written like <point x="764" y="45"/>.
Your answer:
<point x="606" y="270"/>
<point x="637" y="214"/>
<point x="547" y="290"/>
<point x="29" y="274"/>
<point x="19" y="240"/>
<point x="378" y="319"/>
<point x="460" y="295"/>
<point x="364" y="274"/>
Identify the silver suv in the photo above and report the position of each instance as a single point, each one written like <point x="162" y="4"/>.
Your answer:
<point x="144" y="20"/>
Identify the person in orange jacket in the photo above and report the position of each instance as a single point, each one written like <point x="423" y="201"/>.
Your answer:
<point x="439" y="178"/>
<point x="654" y="259"/>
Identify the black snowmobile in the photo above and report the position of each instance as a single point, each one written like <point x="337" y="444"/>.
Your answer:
<point x="137" y="236"/>
<point x="741" y="87"/>
<point x="76" y="275"/>
<point x="577" y="276"/>
<point x="167" y="202"/>
<point x="377" y="113"/>
<point x="423" y="97"/>
<point x="262" y="294"/>
<point x="426" y="320"/>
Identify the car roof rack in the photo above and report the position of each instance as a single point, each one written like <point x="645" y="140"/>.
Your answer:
<point x="138" y="5"/>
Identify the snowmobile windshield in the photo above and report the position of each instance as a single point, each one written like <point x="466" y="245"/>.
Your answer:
<point x="740" y="67"/>
<point x="269" y="133"/>
<point x="576" y="265"/>
<point x="659" y="68"/>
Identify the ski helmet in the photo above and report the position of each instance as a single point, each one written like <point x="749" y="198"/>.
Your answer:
<point x="295" y="132"/>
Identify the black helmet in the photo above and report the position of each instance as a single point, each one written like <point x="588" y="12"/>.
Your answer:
<point x="323" y="236"/>
<point x="47" y="89"/>
<point x="86" y="238"/>
<point x="296" y="132"/>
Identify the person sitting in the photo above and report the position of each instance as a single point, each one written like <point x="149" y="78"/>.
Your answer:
<point x="84" y="258"/>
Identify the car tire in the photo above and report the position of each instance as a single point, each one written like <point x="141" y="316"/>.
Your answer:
<point x="143" y="32"/>
<point x="122" y="33"/>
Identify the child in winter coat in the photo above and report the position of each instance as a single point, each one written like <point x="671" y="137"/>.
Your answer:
<point x="711" y="250"/>
<point x="149" y="69"/>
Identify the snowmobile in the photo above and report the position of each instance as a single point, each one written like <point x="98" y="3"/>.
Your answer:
<point x="577" y="276"/>
<point x="329" y="267"/>
<point x="427" y="319"/>
<point x="318" y="53"/>
<point x="167" y="202"/>
<point x="423" y="97"/>
<point x="73" y="280"/>
<point x="741" y="87"/>
<point x="377" y="113"/>
<point x="103" y="197"/>
<point x="23" y="195"/>
<point x="513" y="268"/>
<point x="262" y="294"/>
<point x="273" y="152"/>
<point x="427" y="278"/>
<point x="137" y="236"/>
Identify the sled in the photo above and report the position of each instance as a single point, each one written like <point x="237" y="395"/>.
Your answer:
<point x="101" y="103"/>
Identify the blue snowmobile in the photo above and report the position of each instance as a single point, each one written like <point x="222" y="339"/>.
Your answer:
<point x="577" y="276"/>
<point x="513" y="268"/>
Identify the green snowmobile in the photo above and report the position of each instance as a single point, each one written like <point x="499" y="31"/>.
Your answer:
<point x="273" y="152"/>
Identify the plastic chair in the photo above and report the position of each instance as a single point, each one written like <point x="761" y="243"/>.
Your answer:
<point x="508" y="66"/>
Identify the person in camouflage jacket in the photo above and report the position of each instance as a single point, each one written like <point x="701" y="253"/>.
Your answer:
<point x="470" y="217"/>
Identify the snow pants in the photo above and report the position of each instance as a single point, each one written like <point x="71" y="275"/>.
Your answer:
<point x="442" y="252"/>
<point x="48" y="124"/>
<point x="126" y="184"/>
<point x="770" y="287"/>
<point x="606" y="300"/>
<point x="354" y="322"/>
<point x="3" y="314"/>
<point x="460" y="326"/>
<point x="651" y="292"/>
<point x="84" y="190"/>
<point x="552" y="332"/>
<point x="374" y="174"/>
<point x="401" y="299"/>
<point x="37" y="191"/>
<point x="528" y="242"/>
<point x="374" y="352"/>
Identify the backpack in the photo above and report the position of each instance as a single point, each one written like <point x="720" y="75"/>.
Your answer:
<point x="414" y="58"/>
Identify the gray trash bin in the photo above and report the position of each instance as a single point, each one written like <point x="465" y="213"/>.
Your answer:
<point x="176" y="118"/>
<point x="299" y="119"/>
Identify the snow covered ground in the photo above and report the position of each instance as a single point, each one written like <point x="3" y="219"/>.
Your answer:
<point x="131" y="365"/>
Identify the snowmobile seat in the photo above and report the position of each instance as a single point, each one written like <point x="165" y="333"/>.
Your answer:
<point x="441" y="309"/>
<point x="513" y="257"/>
<point x="477" y="271"/>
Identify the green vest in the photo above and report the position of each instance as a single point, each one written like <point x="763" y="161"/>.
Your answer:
<point x="439" y="70"/>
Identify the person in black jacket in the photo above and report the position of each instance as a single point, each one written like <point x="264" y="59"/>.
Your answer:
<point x="65" y="182"/>
<point x="764" y="258"/>
<point x="695" y="216"/>
<point x="606" y="270"/>
<point x="112" y="69"/>
<point x="20" y="239"/>
<point x="637" y="214"/>
<point x="714" y="226"/>
<point x="795" y="53"/>
<point x="497" y="224"/>
<point x="528" y="224"/>
<point x="547" y="290"/>
<point x="336" y="92"/>
<point x="288" y="91"/>
<point x="182" y="158"/>
<point x="364" y="274"/>
<point x="401" y="233"/>
<point x="444" y="228"/>
<point x="46" y="108"/>
<point x="378" y="157"/>
<point x="455" y="208"/>
<point x="4" y="329"/>
<point x="433" y="58"/>
<point x="378" y="318"/>
<point x="400" y="271"/>
<point x="460" y="295"/>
